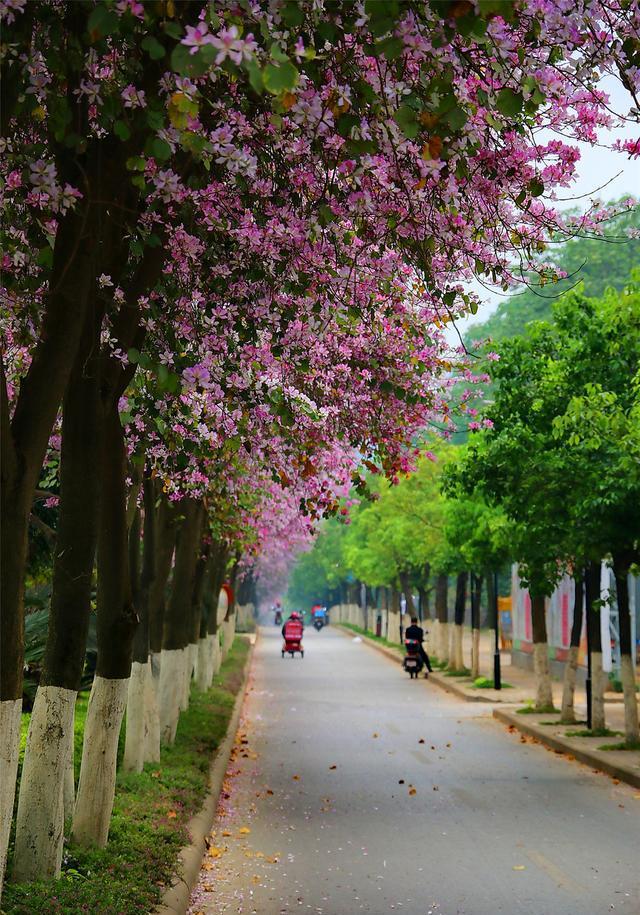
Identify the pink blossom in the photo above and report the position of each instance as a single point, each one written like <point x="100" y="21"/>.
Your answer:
<point x="133" y="98"/>
<point x="230" y="45"/>
<point x="197" y="37"/>
<point x="132" y="6"/>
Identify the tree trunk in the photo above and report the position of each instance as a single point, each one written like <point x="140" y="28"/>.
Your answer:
<point x="77" y="253"/>
<point x="568" y="715"/>
<point x="456" y="659"/>
<point x="621" y="564"/>
<point x="217" y="568"/>
<point x="476" y="595"/>
<point x="177" y="623"/>
<point x="96" y="789"/>
<point x="544" y="693"/>
<point x="40" y="815"/>
<point x="442" y="616"/>
<point x="142" y="742"/>
<point x="10" y="720"/>
<point x="408" y="596"/>
<point x="393" y="633"/>
<point x="592" y="586"/>
<point x="117" y="621"/>
<point x="198" y="611"/>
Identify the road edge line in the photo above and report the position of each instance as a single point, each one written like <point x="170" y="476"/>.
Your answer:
<point x="175" y="900"/>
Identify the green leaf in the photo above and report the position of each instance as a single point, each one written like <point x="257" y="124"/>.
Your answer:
<point x="187" y="64"/>
<point x="153" y="47"/>
<point x="536" y="187"/>
<point x="136" y="164"/>
<point x="133" y="355"/>
<point x="391" y="47"/>
<point x="383" y="15"/>
<point x="172" y="29"/>
<point x="488" y="8"/>
<point x="45" y="257"/>
<point x="291" y="13"/>
<point x="255" y="75"/>
<point x="121" y="130"/>
<point x="160" y="149"/>
<point x="102" y="22"/>
<point x="405" y="118"/>
<point x="277" y="53"/>
<point x="155" y="119"/>
<point x="279" y="78"/>
<point x="509" y="102"/>
<point x="457" y="118"/>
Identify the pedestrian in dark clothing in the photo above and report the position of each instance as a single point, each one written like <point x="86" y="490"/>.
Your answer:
<point x="416" y="633"/>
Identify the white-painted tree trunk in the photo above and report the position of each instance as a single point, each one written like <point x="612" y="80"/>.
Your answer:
<point x="40" y="815"/>
<point x="10" y="712"/>
<point x="394" y="627"/>
<point x="97" y="785"/>
<point x="187" y="673"/>
<point x="475" y="653"/>
<point x="433" y="639"/>
<point x="69" y="789"/>
<point x="598" y="720"/>
<point x="152" y="712"/>
<point x="193" y="659"/>
<point x="443" y="642"/>
<point x="170" y="694"/>
<point x="224" y="648"/>
<point x="203" y="664"/>
<point x="135" y="734"/>
<point x="216" y="658"/>
<point x="568" y="712"/>
<point x="627" y="675"/>
<point x="451" y="652"/>
<point x="544" y="693"/>
<point x="457" y="660"/>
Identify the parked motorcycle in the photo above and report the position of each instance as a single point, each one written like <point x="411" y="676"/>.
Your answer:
<point x="413" y="662"/>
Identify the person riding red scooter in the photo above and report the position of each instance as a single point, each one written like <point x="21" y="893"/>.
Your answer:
<point x="292" y="635"/>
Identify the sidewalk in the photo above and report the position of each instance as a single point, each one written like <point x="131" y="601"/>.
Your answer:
<point x="546" y="728"/>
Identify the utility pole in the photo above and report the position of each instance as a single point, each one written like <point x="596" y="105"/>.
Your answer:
<point x="497" y="673"/>
<point x="588" y="604"/>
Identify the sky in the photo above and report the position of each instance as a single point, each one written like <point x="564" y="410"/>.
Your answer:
<point x="601" y="174"/>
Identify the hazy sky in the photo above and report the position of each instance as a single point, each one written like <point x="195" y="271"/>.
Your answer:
<point x="598" y="166"/>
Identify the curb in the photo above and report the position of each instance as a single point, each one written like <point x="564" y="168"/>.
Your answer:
<point x="175" y="900"/>
<point x="435" y="677"/>
<point x="596" y="759"/>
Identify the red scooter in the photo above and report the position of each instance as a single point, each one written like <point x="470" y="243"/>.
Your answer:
<point x="292" y="632"/>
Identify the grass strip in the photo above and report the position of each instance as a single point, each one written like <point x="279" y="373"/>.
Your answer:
<point x="487" y="683"/>
<point x="150" y="813"/>
<point x="632" y="745"/>
<point x="533" y="710"/>
<point x="597" y="732"/>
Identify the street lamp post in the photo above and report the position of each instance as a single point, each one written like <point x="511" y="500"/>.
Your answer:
<point x="497" y="674"/>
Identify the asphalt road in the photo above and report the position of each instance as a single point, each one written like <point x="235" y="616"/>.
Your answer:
<point x="359" y="790"/>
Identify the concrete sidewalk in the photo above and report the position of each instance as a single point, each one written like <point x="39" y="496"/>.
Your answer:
<point x="546" y="729"/>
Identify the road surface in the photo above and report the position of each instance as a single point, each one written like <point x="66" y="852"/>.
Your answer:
<point x="355" y="789"/>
